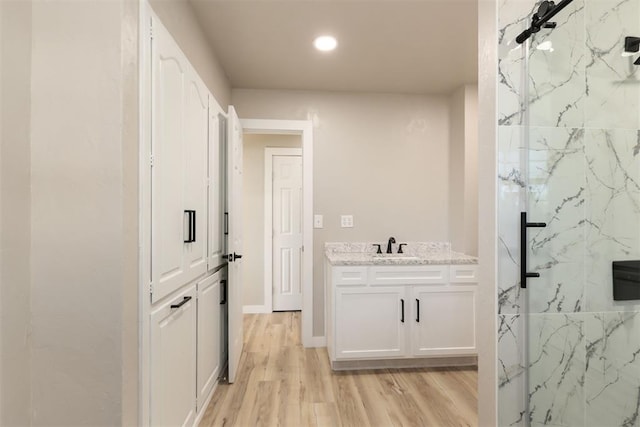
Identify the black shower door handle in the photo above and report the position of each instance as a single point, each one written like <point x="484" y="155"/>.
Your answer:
<point x="402" y="308"/>
<point x="524" y="274"/>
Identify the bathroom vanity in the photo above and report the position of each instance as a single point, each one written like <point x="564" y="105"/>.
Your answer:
<point x="403" y="310"/>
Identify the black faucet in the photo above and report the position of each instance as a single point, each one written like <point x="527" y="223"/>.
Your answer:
<point x="391" y="240"/>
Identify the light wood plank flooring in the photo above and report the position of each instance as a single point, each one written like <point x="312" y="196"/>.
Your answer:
<point x="282" y="384"/>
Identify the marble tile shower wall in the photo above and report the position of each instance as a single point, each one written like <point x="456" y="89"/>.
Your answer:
<point x="583" y="178"/>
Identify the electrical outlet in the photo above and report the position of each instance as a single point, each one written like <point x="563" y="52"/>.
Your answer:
<point x="346" y="221"/>
<point x="317" y="221"/>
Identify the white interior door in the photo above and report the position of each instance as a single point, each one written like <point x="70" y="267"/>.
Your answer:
<point x="216" y="180"/>
<point x="287" y="231"/>
<point x="234" y="241"/>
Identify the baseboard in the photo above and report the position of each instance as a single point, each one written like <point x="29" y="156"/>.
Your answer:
<point x="255" y="309"/>
<point x="205" y="405"/>
<point x="317" y="342"/>
<point x="425" y="362"/>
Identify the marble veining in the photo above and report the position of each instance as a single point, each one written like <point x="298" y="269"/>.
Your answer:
<point x="556" y="195"/>
<point x="556" y="369"/>
<point x="511" y="371"/>
<point x="612" y="387"/>
<point x="569" y="153"/>
<point x="415" y="253"/>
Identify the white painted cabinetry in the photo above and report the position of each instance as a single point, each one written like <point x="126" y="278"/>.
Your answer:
<point x="179" y="121"/>
<point x="173" y="370"/>
<point x="209" y="336"/>
<point x="401" y="312"/>
<point x="183" y="189"/>
<point x="380" y="310"/>
<point x="443" y="320"/>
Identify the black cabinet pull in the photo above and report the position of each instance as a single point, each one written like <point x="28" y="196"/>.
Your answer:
<point x="524" y="274"/>
<point x="191" y="227"/>
<point x="224" y="292"/>
<point x="417" y="310"/>
<point x="226" y="223"/>
<point x="402" y="305"/>
<point x="194" y="226"/>
<point x="181" y="303"/>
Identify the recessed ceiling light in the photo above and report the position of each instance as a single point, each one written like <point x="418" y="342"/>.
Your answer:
<point x="325" y="43"/>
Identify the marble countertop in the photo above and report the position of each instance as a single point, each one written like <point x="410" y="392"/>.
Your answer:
<point x="415" y="253"/>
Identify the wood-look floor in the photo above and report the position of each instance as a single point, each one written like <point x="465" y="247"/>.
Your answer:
<point x="280" y="383"/>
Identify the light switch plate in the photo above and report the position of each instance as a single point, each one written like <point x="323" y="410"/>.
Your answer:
<point x="317" y="221"/>
<point x="346" y="221"/>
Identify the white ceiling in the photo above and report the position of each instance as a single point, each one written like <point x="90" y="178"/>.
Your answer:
<point x="398" y="46"/>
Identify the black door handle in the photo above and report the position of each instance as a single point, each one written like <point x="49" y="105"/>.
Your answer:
<point x="232" y="257"/>
<point x="417" y="310"/>
<point x="224" y="292"/>
<point x="181" y="303"/>
<point x="402" y="305"/>
<point x="524" y="274"/>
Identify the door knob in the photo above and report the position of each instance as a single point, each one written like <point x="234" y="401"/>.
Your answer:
<point x="232" y="257"/>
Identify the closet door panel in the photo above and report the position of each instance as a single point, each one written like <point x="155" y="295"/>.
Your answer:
<point x="196" y="137"/>
<point x="167" y="171"/>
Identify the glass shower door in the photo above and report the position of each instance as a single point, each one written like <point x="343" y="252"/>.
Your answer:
<point x="581" y="160"/>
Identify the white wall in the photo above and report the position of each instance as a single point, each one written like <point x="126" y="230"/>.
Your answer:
<point x="463" y="169"/>
<point x="456" y="168"/>
<point x="15" y="210"/>
<point x="382" y="158"/>
<point x="84" y="213"/>
<point x="471" y="170"/>
<point x="179" y="18"/>
<point x="487" y="223"/>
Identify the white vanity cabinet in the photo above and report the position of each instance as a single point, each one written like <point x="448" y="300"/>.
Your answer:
<point x="443" y="320"/>
<point x="400" y="312"/>
<point x="369" y="322"/>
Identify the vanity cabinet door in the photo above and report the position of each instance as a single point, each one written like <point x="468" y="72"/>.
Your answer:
<point x="443" y="320"/>
<point x="370" y="323"/>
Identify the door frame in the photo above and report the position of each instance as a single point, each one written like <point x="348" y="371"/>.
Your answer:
<point x="304" y="128"/>
<point x="269" y="154"/>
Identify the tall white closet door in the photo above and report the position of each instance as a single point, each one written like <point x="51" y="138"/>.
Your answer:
<point x="196" y="140"/>
<point x="167" y="177"/>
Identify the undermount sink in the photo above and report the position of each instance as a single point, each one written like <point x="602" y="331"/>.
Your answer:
<point x="396" y="257"/>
